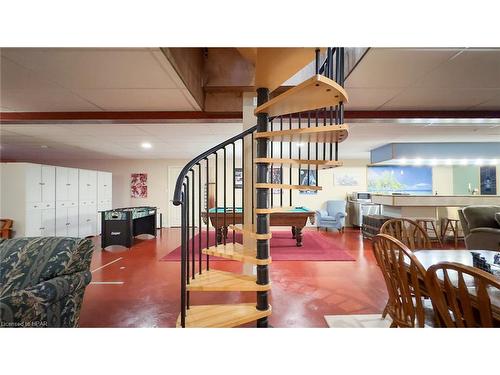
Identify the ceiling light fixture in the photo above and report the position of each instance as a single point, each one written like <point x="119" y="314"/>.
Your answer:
<point x="146" y="145"/>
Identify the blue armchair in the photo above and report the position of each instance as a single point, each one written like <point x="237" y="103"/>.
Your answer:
<point x="333" y="216"/>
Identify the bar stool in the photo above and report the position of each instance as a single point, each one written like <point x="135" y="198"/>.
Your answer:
<point x="448" y="224"/>
<point x="429" y="224"/>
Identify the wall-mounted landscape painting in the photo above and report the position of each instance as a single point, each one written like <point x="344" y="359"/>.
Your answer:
<point x="400" y="179"/>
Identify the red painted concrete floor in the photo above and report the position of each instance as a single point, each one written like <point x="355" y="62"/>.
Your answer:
<point x="302" y="292"/>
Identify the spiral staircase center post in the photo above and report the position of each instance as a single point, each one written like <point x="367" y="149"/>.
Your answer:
<point x="262" y="219"/>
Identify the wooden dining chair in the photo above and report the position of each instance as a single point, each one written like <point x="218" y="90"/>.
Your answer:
<point x="6" y="228"/>
<point x="403" y="275"/>
<point x="408" y="232"/>
<point x="461" y="294"/>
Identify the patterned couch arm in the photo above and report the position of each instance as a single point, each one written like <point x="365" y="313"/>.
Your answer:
<point x="52" y="303"/>
<point x="42" y="280"/>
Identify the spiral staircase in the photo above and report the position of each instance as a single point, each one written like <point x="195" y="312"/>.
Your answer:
<point x="297" y="133"/>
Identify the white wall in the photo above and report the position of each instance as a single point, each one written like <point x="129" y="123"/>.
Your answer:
<point x="158" y="195"/>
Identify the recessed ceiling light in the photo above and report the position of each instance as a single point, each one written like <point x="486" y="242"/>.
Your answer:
<point x="146" y="145"/>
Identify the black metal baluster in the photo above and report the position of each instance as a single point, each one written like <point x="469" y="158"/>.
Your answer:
<point x="300" y="150"/>
<point x="187" y="239"/>
<point x="193" y="215"/>
<point x="225" y="203"/>
<point x="207" y="211"/>
<point x="308" y="148"/>
<point x="281" y="164"/>
<point x="271" y="167"/>
<point x="183" y="258"/>
<point x="216" y="200"/>
<point x="317" y="60"/>
<point x="234" y="192"/>
<point x="253" y="172"/>
<point x="199" y="218"/>
<point x="243" y="179"/>
<point x="290" y="156"/>
<point x="317" y="149"/>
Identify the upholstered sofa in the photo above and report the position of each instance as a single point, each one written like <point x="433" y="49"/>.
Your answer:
<point x="42" y="280"/>
<point x="480" y="226"/>
<point x="333" y="216"/>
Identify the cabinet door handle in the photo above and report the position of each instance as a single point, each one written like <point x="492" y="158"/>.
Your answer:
<point x="88" y="220"/>
<point x="68" y="184"/>
<point x="48" y="205"/>
<point x="68" y="224"/>
<point x="42" y="228"/>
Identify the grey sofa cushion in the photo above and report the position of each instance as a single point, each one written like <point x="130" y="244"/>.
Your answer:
<point x="497" y="218"/>
<point x="481" y="216"/>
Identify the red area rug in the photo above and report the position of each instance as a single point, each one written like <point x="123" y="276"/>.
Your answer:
<point x="316" y="247"/>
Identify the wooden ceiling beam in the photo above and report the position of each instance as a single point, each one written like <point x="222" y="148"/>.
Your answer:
<point x="199" y="116"/>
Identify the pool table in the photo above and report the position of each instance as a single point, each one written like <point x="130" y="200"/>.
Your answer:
<point x="295" y="218"/>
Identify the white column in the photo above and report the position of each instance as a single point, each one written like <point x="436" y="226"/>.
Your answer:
<point x="249" y="120"/>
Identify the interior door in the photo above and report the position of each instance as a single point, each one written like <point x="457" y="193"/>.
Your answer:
<point x="173" y="212"/>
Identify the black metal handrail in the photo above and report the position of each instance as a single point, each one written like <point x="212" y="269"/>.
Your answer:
<point x="180" y="180"/>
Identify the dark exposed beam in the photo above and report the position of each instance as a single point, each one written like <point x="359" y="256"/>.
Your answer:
<point x="161" y="117"/>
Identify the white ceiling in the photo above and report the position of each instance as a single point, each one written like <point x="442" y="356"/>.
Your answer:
<point x="185" y="141"/>
<point x="426" y="79"/>
<point x="90" y="79"/>
<point x="110" y="141"/>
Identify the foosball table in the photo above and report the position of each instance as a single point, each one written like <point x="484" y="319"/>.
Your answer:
<point x="121" y="225"/>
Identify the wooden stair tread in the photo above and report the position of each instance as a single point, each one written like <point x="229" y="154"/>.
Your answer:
<point x="322" y="164"/>
<point x="328" y="134"/>
<point x="272" y="210"/>
<point x="251" y="234"/>
<point x="222" y="316"/>
<point x="221" y="281"/>
<point x="314" y="93"/>
<point x="235" y="252"/>
<point x="274" y="66"/>
<point x="287" y="187"/>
